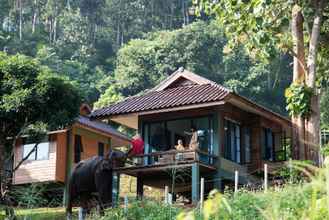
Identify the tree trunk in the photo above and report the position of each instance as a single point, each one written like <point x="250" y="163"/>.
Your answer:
<point x="313" y="122"/>
<point x="20" y="19"/>
<point x="298" y="77"/>
<point x="2" y="161"/>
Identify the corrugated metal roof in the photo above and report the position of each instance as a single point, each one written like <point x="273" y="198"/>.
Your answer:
<point x="173" y="97"/>
<point x="101" y="126"/>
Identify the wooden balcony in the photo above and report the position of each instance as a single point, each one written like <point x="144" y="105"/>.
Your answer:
<point x="166" y="160"/>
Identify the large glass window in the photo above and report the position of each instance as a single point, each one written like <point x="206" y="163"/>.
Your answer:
<point x="164" y="135"/>
<point x="158" y="137"/>
<point x="232" y="149"/>
<point x="41" y="152"/>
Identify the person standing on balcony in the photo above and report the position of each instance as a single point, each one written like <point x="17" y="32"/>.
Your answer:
<point x="137" y="146"/>
<point x="194" y="142"/>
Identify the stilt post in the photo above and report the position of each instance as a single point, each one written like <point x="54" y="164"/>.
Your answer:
<point x="201" y="193"/>
<point x="236" y="181"/>
<point x="265" y="177"/>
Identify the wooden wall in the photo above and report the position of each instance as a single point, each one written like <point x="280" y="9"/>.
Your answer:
<point x="37" y="170"/>
<point x="61" y="156"/>
<point x="256" y="123"/>
<point x="90" y="142"/>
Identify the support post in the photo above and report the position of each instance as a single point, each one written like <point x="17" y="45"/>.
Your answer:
<point x="265" y="177"/>
<point x="166" y="195"/>
<point x="236" y="181"/>
<point x="81" y="214"/>
<point x="140" y="187"/>
<point x="126" y="204"/>
<point x="115" y="188"/>
<point x="68" y="167"/>
<point x="195" y="183"/>
<point x="201" y="193"/>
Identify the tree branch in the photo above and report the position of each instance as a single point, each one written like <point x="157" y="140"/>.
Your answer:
<point x="25" y="158"/>
<point x="313" y="44"/>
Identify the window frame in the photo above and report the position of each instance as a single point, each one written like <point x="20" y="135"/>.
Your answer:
<point x="77" y="152"/>
<point x="147" y="128"/>
<point x="232" y="153"/>
<point x="35" y="153"/>
<point x="101" y="145"/>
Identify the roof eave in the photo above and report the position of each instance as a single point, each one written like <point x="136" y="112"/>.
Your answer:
<point x="261" y="108"/>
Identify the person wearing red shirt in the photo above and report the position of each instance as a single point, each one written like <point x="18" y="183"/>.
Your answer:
<point x="137" y="144"/>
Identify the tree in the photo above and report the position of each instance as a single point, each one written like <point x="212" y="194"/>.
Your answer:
<point x="262" y="26"/>
<point x="200" y="47"/>
<point x="31" y="100"/>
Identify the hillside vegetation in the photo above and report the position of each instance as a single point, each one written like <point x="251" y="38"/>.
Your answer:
<point x="293" y="201"/>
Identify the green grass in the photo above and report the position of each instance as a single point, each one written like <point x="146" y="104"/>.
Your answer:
<point x="38" y="214"/>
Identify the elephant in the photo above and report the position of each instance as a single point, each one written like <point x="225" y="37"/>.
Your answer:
<point x="90" y="177"/>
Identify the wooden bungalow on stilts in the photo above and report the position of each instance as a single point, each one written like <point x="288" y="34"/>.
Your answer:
<point x="233" y="134"/>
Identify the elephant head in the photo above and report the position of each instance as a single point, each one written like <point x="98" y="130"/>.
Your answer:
<point x="117" y="158"/>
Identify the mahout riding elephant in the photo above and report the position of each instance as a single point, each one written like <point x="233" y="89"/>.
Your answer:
<point x="91" y="180"/>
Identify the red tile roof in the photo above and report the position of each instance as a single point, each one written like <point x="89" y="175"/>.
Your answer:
<point x="172" y="97"/>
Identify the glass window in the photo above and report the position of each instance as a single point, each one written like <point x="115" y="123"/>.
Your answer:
<point x="247" y="144"/>
<point x="40" y="153"/>
<point x="78" y="149"/>
<point x="163" y="136"/>
<point x="178" y="130"/>
<point x="27" y="149"/>
<point x="100" y="149"/>
<point x="232" y="149"/>
<point x="268" y="144"/>
<point x="158" y="137"/>
<point x="202" y="126"/>
<point x="43" y="151"/>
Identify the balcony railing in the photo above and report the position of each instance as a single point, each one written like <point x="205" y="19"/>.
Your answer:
<point x="171" y="157"/>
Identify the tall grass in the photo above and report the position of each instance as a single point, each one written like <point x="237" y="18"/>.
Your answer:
<point x="302" y="200"/>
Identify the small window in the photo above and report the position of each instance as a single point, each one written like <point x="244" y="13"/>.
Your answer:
<point x="268" y="144"/>
<point x="100" y="149"/>
<point x="78" y="149"/>
<point x="41" y="152"/>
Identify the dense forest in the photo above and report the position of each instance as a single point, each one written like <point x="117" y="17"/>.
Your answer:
<point x="111" y="49"/>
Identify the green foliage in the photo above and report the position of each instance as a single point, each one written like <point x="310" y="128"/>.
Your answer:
<point x="110" y="96"/>
<point x="295" y="171"/>
<point x="200" y="47"/>
<point x="325" y="150"/>
<point x="148" y="210"/>
<point x="261" y="26"/>
<point x="324" y="110"/>
<point x="292" y="201"/>
<point x="30" y="196"/>
<point x="32" y="97"/>
<point x="298" y="98"/>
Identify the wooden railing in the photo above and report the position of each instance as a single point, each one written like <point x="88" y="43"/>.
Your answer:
<point x="171" y="157"/>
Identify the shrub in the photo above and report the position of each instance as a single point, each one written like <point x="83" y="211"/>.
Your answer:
<point x="143" y="210"/>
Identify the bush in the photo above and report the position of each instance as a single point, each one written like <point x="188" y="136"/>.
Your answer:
<point x="143" y="210"/>
<point x="38" y="195"/>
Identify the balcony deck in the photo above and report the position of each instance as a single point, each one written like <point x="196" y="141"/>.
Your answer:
<point x="166" y="160"/>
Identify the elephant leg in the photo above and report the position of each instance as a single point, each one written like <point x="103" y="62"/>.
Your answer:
<point x="103" y="184"/>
